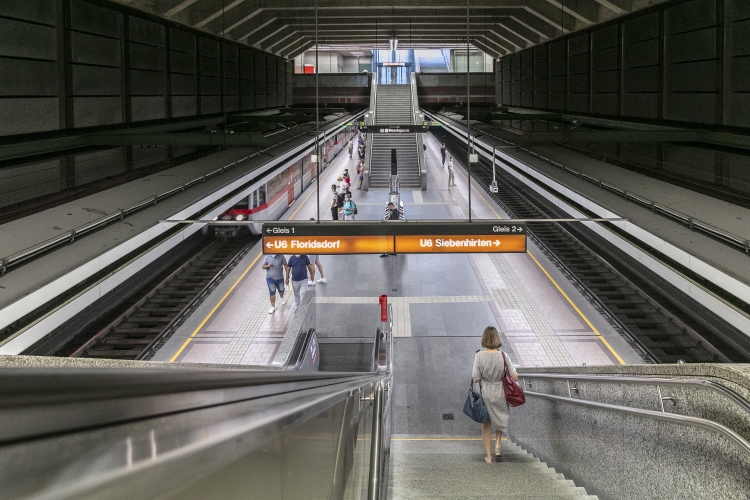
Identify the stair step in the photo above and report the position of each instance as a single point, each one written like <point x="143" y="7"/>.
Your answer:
<point x="442" y="469"/>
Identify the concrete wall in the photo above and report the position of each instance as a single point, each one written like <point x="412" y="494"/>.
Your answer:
<point x="71" y="64"/>
<point x="432" y="88"/>
<point x="624" y="456"/>
<point x="685" y="61"/>
<point x="345" y="88"/>
<point x="449" y="88"/>
<point x="75" y="64"/>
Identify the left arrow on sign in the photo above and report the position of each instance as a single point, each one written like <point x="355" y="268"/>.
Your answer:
<point x="269" y="245"/>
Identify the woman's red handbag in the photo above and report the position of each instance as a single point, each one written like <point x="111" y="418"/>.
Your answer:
<point x="514" y="395"/>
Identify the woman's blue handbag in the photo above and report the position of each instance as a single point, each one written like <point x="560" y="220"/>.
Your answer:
<point x="474" y="406"/>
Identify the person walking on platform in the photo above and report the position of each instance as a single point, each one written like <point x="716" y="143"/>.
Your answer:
<point x="350" y="208"/>
<point x="360" y="173"/>
<point x="275" y="266"/>
<point x="442" y="153"/>
<point x="351" y="149"/>
<point x="391" y="213"/>
<point x="451" y="173"/>
<point x="298" y="267"/>
<point x="489" y="366"/>
<point x="334" y="203"/>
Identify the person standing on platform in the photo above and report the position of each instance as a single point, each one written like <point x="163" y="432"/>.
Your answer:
<point x="350" y="208"/>
<point x="298" y="267"/>
<point x="316" y="263"/>
<point x="351" y="149"/>
<point x="442" y="153"/>
<point x="451" y="173"/>
<point x="275" y="266"/>
<point x="347" y="177"/>
<point x="391" y="213"/>
<point x="361" y="173"/>
<point x="489" y="367"/>
<point x="334" y="203"/>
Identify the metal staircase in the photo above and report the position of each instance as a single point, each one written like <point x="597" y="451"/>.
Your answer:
<point x="394" y="107"/>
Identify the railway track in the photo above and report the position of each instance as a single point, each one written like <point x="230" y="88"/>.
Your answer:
<point x="659" y="322"/>
<point x="152" y="314"/>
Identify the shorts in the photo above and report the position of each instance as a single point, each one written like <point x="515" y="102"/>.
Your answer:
<point x="316" y="259"/>
<point x="274" y="285"/>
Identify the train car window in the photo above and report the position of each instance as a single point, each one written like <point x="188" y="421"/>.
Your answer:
<point x="255" y="199"/>
<point x="276" y="185"/>
<point x="297" y="170"/>
<point x="242" y="204"/>
<point x="262" y="196"/>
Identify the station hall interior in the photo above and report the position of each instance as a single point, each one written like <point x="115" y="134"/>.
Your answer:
<point x="257" y="249"/>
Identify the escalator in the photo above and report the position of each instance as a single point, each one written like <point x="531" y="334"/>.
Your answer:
<point x="200" y="431"/>
<point x="153" y="430"/>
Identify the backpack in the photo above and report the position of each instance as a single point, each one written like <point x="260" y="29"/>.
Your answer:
<point x="340" y="202"/>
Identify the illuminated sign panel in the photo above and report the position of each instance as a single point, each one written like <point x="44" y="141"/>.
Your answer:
<point x="327" y="245"/>
<point x="377" y="237"/>
<point x="461" y="244"/>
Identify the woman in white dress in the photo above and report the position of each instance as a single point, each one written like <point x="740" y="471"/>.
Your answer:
<point x="489" y="365"/>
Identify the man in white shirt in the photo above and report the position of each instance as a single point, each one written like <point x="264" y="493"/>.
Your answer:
<point x="451" y="173"/>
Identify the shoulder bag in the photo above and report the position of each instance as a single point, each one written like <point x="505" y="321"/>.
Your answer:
<point x="474" y="406"/>
<point x="514" y="395"/>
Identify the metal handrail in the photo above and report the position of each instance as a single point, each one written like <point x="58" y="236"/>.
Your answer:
<point x="376" y="462"/>
<point x="381" y="397"/>
<point x="654" y="381"/>
<point x="368" y="144"/>
<point x="417" y="121"/>
<point x="723" y="236"/>
<point x="656" y="415"/>
<point x="33" y="251"/>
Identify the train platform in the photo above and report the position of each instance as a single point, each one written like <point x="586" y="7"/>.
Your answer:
<point x="440" y="302"/>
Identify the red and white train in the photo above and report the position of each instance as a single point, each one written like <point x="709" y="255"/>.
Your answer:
<point x="271" y="200"/>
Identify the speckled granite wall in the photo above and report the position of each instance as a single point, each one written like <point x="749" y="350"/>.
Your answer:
<point x="616" y="456"/>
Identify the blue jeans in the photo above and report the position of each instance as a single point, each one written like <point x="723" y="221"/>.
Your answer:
<point x="274" y="285"/>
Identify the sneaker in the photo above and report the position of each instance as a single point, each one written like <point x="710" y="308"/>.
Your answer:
<point x="311" y="283"/>
<point x="322" y="280"/>
<point x="272" y="310"/>
<point x="283" y="300"/>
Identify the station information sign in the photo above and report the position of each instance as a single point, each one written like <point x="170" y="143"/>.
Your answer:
<point x="378" y="237"/>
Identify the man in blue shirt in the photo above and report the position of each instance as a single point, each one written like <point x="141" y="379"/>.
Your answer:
<point x="299" y="265"/>
<point x="350" y="208"/>
<point x="274" y="266"/>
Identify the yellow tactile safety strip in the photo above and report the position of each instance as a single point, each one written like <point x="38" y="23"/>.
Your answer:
<point x="214" y="309"/>
<point x="580" y="313"/>
<point x="179" y="351"/>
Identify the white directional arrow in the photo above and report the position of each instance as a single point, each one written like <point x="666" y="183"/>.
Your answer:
<point x="269" y="245"/>
<point x="268" y="230"/>
<point x="497" y="243"/>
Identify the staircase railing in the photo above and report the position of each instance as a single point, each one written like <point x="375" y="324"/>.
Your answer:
<point x="370" y="121"/>
<point x="690" y="422"/>
<point x="416" y="120"/>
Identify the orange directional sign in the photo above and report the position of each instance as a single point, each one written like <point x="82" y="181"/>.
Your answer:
<point x="377" y="237"/>
<point x="333" y="245"/>
<point x="478" y="243"/>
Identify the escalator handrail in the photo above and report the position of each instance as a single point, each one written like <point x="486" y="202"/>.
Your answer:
<point x="711" y="385"/>
<point x="43" y="401"/>
<point x="655" y="415"/>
